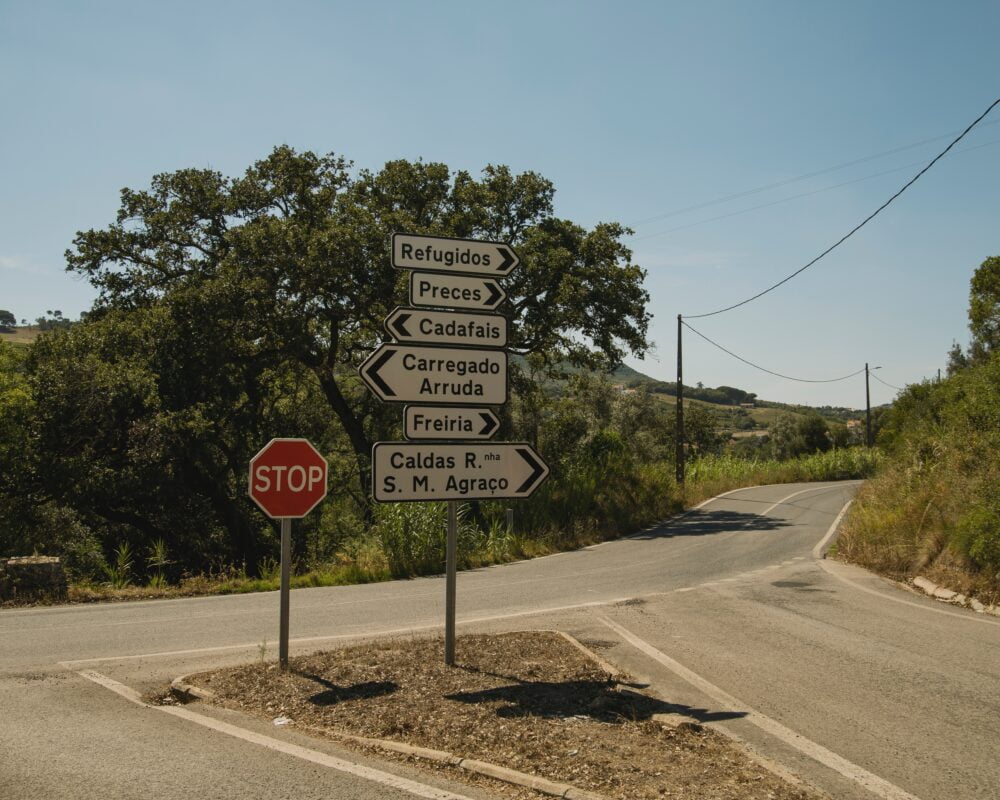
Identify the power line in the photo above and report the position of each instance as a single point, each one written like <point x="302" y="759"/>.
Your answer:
<point x="768" y="371"/>
<point x="801" y="195"/>
<point x="876" y="377"/>
<point x="857" y="227"/>
<point x="806" y="176"/>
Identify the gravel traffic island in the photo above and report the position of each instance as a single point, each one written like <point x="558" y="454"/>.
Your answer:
<point x="522" y="707"/>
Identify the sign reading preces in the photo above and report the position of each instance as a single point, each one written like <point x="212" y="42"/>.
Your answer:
<point x="430" y="290"/>
<point x="414" y="471"/>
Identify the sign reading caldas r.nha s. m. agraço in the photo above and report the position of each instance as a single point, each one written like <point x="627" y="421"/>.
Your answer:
<point x="415" y="471"/>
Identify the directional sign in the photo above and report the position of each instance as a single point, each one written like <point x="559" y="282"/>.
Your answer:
<point x="403" y="471"/>
<point x="455" y="291"/>
<point x="287" y="478"/>
<point x="401" y="373"/>
<point x="432" y="422"/>
<point x="440" y="254"/>
<point x="447" y="327"/>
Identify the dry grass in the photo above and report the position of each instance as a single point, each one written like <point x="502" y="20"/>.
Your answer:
<point x="528" y="701"/>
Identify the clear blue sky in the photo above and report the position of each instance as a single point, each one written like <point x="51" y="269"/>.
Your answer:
<point x="632" y="109"/>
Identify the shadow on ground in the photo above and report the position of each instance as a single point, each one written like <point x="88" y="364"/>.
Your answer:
<point x="705" y="523"/>
<point x="338" y="694"/>
<point x="602" y="700"/>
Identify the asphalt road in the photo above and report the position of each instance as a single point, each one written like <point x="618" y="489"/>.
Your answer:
<point x="860" y="688"/>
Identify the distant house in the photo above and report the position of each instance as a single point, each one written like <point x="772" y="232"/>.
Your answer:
<point x="747" y="405"/>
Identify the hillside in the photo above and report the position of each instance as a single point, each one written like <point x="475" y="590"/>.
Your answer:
<point x="735" y="410"/>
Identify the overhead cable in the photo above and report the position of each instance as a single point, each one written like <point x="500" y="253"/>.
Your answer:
<point x="799" y="196"/>
<point x="796" y="179"/>
<point x="876" y="377"/>
<point x="768" y="371"/>
<point x="857" y="227"/>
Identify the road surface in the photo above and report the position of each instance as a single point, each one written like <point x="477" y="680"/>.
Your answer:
<point x="861" y="688"/>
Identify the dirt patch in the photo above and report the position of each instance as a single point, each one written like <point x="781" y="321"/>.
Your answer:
<point x="529" y="701"/>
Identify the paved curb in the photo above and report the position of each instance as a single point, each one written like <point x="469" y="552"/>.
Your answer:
<point x="931" y="589"/>
<point x="181" y="685"/>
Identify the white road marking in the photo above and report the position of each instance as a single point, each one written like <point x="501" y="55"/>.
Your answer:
<point x="817" y="752"/>
<point x="820" y="549"/>
<point x="287" y="748"/>
<point x="968" y="616"/>
<point x="820" y="555"/>
<point x="341" y="636"/>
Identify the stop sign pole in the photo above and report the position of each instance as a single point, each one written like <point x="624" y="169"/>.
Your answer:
<point x="288" y="479"/>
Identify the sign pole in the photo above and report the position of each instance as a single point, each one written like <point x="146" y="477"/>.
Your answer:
<point x="451" y="559"/>
<point x="286" y="557"/>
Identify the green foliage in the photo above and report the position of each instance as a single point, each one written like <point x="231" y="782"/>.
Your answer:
<point x="7" y="319"/>
<point x="934" y="507"/>
<point x="984" y="308"/>
<point x="119" y="572"/>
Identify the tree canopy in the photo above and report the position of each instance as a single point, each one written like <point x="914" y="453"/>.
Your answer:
<point x="234" y="309"/>
<point x="294" y="256"/>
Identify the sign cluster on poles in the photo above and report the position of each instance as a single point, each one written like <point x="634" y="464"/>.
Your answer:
<point x="448" y="364"/>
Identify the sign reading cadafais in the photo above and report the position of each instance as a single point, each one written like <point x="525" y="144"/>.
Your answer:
<point x="447" y="363"/>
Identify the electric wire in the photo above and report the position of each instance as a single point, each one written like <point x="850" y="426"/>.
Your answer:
<point x="806" y="176"/>
<point x="764" y="369"/>
<point x="800" y="196"/>
<point x="857" y="227"/>
<point x="876" y="377"/>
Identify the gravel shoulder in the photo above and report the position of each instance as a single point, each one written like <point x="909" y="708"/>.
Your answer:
<point x="529" y="701"/>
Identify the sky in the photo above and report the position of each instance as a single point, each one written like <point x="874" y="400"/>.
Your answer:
<point x="652" y="114"/>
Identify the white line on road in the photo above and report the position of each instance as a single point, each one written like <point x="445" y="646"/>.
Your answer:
<point x="819" y="551"/>
<point x="342" y="636"/>
<point x="287" y="748"/>
<point x="817" y="752"/>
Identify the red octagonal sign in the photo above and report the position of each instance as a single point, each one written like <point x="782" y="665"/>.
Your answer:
<point x="287" y="478"/>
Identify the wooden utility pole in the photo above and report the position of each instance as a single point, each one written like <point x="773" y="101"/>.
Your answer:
<point x="680" y="405"/>
<point x="868" y="411"/>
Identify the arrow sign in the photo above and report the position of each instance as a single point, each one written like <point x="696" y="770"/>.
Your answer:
<point x="401" y="373"/>
<point x="429" y="289"/>
<point x="441" y="254"/>
<point x="427" y="422"/>
<point x="409" y="471"/>
<point x="447" y="327"/>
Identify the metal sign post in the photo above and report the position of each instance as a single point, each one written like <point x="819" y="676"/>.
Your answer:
<point x="286" y="559"/>
<point x="451" y="583"/>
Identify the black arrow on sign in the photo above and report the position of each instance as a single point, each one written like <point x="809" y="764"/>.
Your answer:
<point x="508" y="259"/>
<point x="496" y="293"/>
<point x="537" y="467"/>
<point x="372" y="372"/>
<point x="491" y="423"/>
<point x="398" y="326"/>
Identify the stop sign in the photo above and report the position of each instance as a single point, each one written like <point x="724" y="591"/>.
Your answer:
<point x="287" y="478"/>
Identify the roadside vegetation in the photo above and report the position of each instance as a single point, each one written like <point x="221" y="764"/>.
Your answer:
<point x="934" y="507"/>
<point x="232" y="310"/>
